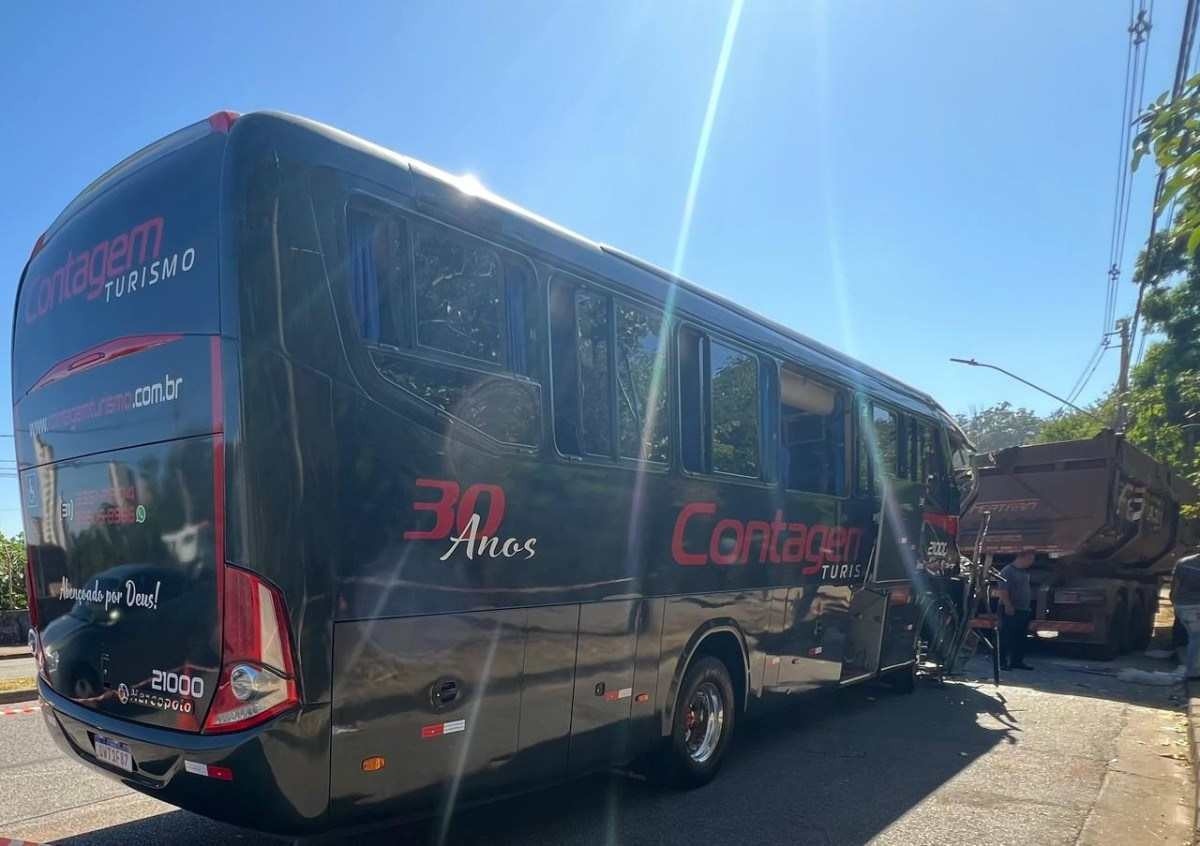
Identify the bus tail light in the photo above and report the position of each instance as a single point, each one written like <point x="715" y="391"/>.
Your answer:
<point x="258" y="674"/>
<point x="37" y="246"/>
<point x="222" y="121"/>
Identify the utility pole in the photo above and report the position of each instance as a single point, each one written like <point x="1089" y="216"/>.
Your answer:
<point x="1122" y="414"/>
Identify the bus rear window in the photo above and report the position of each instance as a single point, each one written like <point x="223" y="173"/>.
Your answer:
<point x="139" y="259"/>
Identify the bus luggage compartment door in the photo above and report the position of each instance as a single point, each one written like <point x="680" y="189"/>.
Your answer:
<point x="814" y="635"/>
<point x="437" y="697"/>
<point x="603" y="683"/>
<point x="868" y="608"/>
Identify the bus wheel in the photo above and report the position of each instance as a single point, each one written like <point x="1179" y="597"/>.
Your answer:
<point x="703" y="723"/>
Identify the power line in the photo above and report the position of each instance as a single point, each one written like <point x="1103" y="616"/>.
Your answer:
<point x="1076" y="386"/>
<point x="1099" y="358"/>
<point x="1132" y="102"/>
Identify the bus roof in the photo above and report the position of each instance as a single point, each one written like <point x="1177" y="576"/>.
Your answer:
<point x="604" y="257"/>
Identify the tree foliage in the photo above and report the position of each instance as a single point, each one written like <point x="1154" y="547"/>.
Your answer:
<point x="1070" y="425"/>
<point x="12" y="572"/>
<point x="999" y="426"/>
<point x="1170" y="131"/>
<point x="1164" y="396"/>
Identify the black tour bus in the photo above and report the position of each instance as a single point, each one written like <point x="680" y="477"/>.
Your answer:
<point x="353" y="491"/>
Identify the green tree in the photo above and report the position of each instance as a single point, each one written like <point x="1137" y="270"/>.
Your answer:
<point x="1170" y="132"/>
<point x="1070" y="425"/>
<point x="1164" y="394"/>
<point x="12" y="572"/>
<point x="999" y="426"/>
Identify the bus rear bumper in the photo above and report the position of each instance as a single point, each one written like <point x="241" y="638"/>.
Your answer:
<point x="273" y="777"/>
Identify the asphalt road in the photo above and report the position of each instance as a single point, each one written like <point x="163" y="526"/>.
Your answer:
<point x="1067" y="754"/>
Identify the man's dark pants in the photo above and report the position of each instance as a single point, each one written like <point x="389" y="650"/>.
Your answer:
<point x="1013" y="630"/>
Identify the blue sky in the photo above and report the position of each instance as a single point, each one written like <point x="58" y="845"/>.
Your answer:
<point x="906" y="181"/>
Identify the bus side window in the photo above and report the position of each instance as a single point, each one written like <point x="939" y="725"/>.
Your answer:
<point x="693" y="410"/>
<point x="734" y="403"/>
<point x="381" y="277"/>
<point x="641" y="384"/>
<point x="883" y="441"/>
<point x="813" y="420"/>
<point x="593" y="329"/>
<point x="607" y="401"/>
<point x="864" y="483"/>
<point x="911" y="455"/>
<point x="565" y="366"/>
<point x="932" y="467"/>
<point x="419" y="290"/>
<point x="720" y="400"/>
<point x="459" y="294"/>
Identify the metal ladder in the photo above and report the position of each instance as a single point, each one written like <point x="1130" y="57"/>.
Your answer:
<point x="964" y="641"/>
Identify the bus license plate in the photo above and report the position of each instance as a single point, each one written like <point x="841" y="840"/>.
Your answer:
<point x="114" y="752"/>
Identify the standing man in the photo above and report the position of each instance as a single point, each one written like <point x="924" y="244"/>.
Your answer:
<point x="1016" y="603"/>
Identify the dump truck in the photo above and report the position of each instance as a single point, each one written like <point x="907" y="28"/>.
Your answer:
<point x="1106" y="524"/>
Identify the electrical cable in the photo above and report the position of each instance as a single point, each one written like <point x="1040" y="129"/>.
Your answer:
<point x="1099" y="359"/>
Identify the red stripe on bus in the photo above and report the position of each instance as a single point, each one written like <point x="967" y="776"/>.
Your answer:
<point x="948" y="523"/>
<point x="218" y="412"/>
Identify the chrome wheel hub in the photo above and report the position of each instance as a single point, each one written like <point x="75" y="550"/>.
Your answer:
<point x="704" y="721"/>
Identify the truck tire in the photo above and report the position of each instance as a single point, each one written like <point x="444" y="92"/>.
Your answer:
<point x="1121" y="617"/>
<point x="1141" y="625"/>
<point x="703" y="724"/>
<point x="1116" y="635"/>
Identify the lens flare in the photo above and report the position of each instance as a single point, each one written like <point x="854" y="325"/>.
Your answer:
<point x="657" y="378"/>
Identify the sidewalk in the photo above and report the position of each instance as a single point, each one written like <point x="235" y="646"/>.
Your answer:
<point x="15" y="652"/>
<point x="1193" y="713"/>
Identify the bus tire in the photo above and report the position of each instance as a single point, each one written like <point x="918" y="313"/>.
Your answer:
<point x="703" y="724"/>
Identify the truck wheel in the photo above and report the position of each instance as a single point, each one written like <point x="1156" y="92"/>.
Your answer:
<point x="1141" y="627"/>
<point x="1115" y="636"/>
<point x="1121" y="620"/>
<point x="703" y="724"/>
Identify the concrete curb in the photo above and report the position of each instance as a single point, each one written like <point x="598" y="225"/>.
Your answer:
<point x="1193" y="717"/>
<point x="25" y="694"/>
<point x="8" y="653"/>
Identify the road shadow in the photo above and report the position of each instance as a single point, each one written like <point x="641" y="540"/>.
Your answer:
<point x="832" y="769"/>
<point x="1069" y="669"/>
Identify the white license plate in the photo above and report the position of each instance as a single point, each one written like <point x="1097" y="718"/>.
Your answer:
<point x="114" y="752"/>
